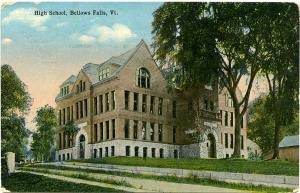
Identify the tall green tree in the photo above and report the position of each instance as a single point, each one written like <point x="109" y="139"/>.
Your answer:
<point x="14" y="95"/>
<point x="207" y="40"/>
<point x="15" y="103"/>
<point x="281" y="67"/>
<point x="71" y="129"/>
<point x="43" y="139"/>
<point x="261" y="125"/>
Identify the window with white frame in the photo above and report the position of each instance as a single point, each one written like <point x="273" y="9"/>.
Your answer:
<point x="143" y="78"/>
<point x="104" y="73"/>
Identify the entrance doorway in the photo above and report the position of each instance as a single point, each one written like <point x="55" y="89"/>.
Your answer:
<point x="211" y="146"/>
<point x="81" y="146"/>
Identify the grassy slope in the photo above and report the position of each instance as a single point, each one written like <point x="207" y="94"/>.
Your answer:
<point x="190" y="180"/>
<point x="25" y="182"/>
<point x="272" y="167"/>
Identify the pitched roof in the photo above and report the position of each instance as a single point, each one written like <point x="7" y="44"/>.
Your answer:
<point x="289" y="141"/>
<point x="121" y="59"/>
<point x="90" y="70"/>
<point x="71" y="79"/>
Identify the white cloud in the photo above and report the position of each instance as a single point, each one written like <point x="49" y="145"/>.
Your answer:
<point x="61" y="24"/>
<point x="6" y="41"/>
<point x="102" y="34"/>
<point x="118" y="32"/>
<point x="27" y="16"/>
<point x="86" y="39"/>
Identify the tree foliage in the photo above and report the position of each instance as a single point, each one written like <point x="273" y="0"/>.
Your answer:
<point x="71" y="129"/>
<point x="14" y="95"/>
<point x="281" y="68"/>
<point x="43" y="139"/>
<point x="261" y="125"/>
<point x="208" y="40"/>
<point x="15" y="101"/>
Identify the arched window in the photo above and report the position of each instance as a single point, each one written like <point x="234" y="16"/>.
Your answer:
<point x="143" y="78"/>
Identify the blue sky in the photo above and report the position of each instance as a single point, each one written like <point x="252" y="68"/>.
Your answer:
<point x="45" y="50"/>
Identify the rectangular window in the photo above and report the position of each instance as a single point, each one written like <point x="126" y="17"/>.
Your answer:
<point x="160" y="133"/>
<point x="113" y="100"/>
<point x="80" y="86"/>
<point x="113" y="125"/>
<point x="104" y="73"/>
<point x="153" y="152"/>
<point x="231" y="141"/>
<point x="95" y="133"/>
<point x="226" y="140"/>
<point x="242" y="123"/>
<point x="101" y="131"/>
<point x="112" y="151"/>
<point x="72" y="114"/>
<point x="135" y="101"/>
<point x="107" y="102"/>
<point x="101" y="103"/>
<point x="100" y="152"/>
<point x="86" y="107"/>
<point x="206" y="104"/>
<point x="135" y="129"/>
<point x="144" y="103"/>
<point x="231" y="119"/>
<point x="160" y="106"/>
<point x="242" y="142"/>
<point x="127" y="150"/>
<point x="59" y="143"/>
<point x="136" y="151"/>
<point x="152" y="104"/>
<point x="126" y="128"/>
<point x="83" y="86"/>
<point x="174" y="109"/>
<point x="77" y="88"/>
<point x="81" y="108"/>
<point x="59" y="117"/>
<point x="95" y="106"/>
<point x="226" y="118"/>
<point x="77" y="111"/>
<point x="107" y="129"/>
<point x="161" y="153"/>
<point x="127" y="94"/>
<point x="174" y="134"/>
<point x="68" y="114"/>
<point x="64" y="139"/>
<point x="152" y="131"/>
<point x="144" y="129"/>
<point x="64" y="116"/>
<point x="106" y="151"/>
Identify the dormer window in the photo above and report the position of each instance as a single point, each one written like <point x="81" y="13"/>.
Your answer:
<point x="104" y="73"/>
<point x="80" y="87"/>
<point x="143" y="78"/>
<point x="64" y="90"/>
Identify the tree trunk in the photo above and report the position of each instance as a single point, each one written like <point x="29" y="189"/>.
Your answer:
<point x="237" y="134"/>
<point x="276" y="136"/>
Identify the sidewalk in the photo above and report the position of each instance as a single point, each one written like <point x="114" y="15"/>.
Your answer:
<point x="243" y="178"/>
<point x="145" y="184"/>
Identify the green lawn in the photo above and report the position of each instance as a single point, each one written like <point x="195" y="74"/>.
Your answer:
<point x="189" y="180"/>
<point x="271" y="167"/>
<point x="25" y="182"/>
